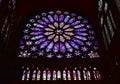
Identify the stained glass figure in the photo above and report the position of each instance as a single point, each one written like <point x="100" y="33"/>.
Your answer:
<point x="54" y="75"/>
<point x="86" y="74"/>
<point x="79" y="74"/>
<point x="59" y="34"/>
<point x="69" y="75"/>
<point x="44" y="75"/>
<point x="64" y="75"/>
<point x="34" y="75"/>
<point x="49" y="75"/>
<point x="38" y="75"/>
<point x="58" y="75"/>
<point x="24" y="75"/>
<point x="74" y="75"/>
<point x="96" y="74"/>
<point x="28" y="74"/>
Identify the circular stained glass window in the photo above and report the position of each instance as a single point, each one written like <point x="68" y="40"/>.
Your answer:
<point x="58" y="34"/>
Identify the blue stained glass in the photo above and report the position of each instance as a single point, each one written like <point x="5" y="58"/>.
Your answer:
<point x="69" y="48"/>
<point x="66" y="18"/>
<point x="26" y="36"/>
<point x="56" y="47"/>
<point x="81" y="38"/>
<point x="50" y="55"/>
<point x="34" y="48"/>
<point x="38" y="25"/>
<point x="26" y="30"/>
<point x="24" y="75"/>
<point x="79" y="26"/>
<point x="37" y="37"/>
<point x="44" y="44"/>
<point x="45" y="19"/>
<point x="36" y="33"/>
<point x="40" y="41"/>
<point x="50" y="18"/>
<point x="78" y="41"/>
<point x="77" y="53"/>
<point x="62" y="48"/>
<point x="74" y="45"/>
<point x="21" y="42"/>
<point x="41" y="53"/>
<point x="81" y="33"/>
<point x="88" y="43"/>
<point x="61" y="33"/>
<point x="91" y="37"/>
<point x="42" y="22"/>
<point x="84" y="48"/>
<point x="84" y="21"/>
<point x="59" y="56"/>
<point x="61" y="17"/>
<point x="49" y="47"/>
<point x="91" y="31"/>
<point x="37" y="29"/>
<point x="75" y="23"/>
<point x="71" y="20"/>
<point x="56" y="17"/>
<point x="80" y="29"/>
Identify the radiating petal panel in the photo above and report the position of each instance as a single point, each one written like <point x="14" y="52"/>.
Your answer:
<point x="56" y="47"/>
<point x="69" y="48"/>
<point x="62" y="48"/>
<point x="49" y="47"/>
<point x="44" y="44"/>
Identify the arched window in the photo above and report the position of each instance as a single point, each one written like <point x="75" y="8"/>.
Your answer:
<point x="58" y="34"/>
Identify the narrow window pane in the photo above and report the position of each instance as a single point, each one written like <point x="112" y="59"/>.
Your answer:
<point x="114" y="25"/>
<point x="104" y="39"/>
<point x="110" y="26"/>
<point x="107" y="34"/>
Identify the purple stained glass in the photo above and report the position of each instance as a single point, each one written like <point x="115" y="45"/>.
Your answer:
<point x="60" y="34"/>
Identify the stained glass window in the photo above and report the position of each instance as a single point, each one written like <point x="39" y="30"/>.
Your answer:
<point x="64" y="75"/>
<point x="34" y="75"/>
<point x="84" y="73"/>
<point x="54" y="75"/>
<point x="59" y="34"/>
<point x="38" y="75"/>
